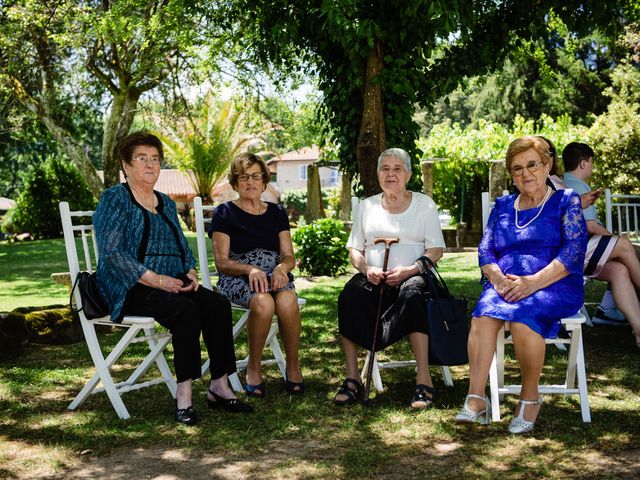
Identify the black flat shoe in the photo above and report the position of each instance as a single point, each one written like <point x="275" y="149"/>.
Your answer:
<point x="294" y="388"/>
<point x="232" y="405"/>
<point x="186" y="416"/>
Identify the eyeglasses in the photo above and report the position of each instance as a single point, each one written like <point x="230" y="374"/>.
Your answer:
<point x="148" y="160"/>
<point x="254" y="176"/>
<point x="518" y="170"/>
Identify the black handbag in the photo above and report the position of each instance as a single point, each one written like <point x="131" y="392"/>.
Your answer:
<point x="448" y="322"/>
<point x="93" y="304"/>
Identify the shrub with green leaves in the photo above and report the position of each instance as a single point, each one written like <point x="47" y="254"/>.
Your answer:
<point x="45" y="186"/>
<point x="322" y="247"/>
<point x="616" y="134"/>
<point x="295" y="203"/>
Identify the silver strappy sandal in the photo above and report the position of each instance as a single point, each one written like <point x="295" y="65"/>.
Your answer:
<point x="519" y="425"/>
<point x="483" y="417"/>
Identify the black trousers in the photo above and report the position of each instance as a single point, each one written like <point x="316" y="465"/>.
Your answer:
<point x="403" y="311"/>
<point x="186" y="315"/>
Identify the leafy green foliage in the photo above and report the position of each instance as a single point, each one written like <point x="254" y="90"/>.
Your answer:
<point x="427" y="48"/>
<point x="65" y="60"/>
<point x="45" y="186"/>
<point x="205" y="142"/>
<point x="616" y="133"/>
<point x="462" y="169"/>
<point x="333" y="201"/>
<point x="555" y="75"/>
<point x="322" y="247"/>
<point x="286" y="125"/>
<point x="295" y="203"/>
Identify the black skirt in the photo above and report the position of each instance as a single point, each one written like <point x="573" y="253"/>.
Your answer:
<point x="403" y="311"/>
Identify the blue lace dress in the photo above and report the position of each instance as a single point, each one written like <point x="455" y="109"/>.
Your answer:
<point x="559" y="233"/>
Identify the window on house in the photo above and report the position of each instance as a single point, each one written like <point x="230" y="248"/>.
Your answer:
<point x="334" y="177"/>
<point x="302" y="169"/>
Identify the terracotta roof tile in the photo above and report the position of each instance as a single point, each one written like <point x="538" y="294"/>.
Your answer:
<point x="173" y="182"/>
<point x="311" y="153"/>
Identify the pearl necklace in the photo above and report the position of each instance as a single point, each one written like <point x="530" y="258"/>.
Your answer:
<point x="541" y="205"/>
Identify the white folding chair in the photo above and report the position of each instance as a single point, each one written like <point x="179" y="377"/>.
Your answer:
<point x="132" y="325"/>
<point x="575" y="368"/>
<point x="203" y="259"/>
<point x="377" y="365"/>
<point x="575" y="361"/>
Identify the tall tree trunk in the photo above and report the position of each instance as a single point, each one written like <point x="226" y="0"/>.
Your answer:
<point x="118" y="123"/>
<point x="76" y="154"/>
<point x="345" y="197"/>
<point x="315" y="209"/>
<point x="372" y="138"/>
<point x="73" y="149"/>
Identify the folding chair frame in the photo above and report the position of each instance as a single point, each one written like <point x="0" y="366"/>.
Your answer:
<point x="133" y="325"/>
<point x="575" y="369"/>
<point x="272" y="336"/>
<point x="377" y="366"/>
<point x="575" y="362"/>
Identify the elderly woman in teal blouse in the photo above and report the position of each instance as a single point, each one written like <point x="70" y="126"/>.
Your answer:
<point x="146" y="268"/>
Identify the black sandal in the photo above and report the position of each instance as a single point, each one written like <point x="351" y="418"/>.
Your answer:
<point x="352" y="394"/>
<point x="232" y="405"/>
<point x="420" y="395"/>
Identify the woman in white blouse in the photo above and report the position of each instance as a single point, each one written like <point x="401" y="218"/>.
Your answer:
<point x="413" y="218"/>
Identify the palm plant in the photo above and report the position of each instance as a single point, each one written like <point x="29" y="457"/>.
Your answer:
<point x="204" y="144"/>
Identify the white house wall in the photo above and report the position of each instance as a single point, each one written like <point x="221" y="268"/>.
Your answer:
<point x="288" y="176"/>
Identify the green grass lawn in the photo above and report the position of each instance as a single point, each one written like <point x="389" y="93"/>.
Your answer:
<point x="308" y="437"/>
<point x="26" y="268"/>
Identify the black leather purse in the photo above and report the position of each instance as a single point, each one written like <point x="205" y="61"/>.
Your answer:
<point x="448" y="322"/>
<point x="93" y="304"/>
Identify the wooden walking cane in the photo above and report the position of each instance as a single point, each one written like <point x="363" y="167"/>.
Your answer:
<point x="372" y="354"/>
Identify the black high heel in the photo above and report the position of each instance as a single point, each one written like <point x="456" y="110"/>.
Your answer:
<point x="232" y="405"/>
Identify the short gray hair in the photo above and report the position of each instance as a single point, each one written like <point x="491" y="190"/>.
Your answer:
<point x="400" y="154"/>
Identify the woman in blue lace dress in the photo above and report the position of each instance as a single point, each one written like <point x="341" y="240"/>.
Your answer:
<point x="531" y="254"/>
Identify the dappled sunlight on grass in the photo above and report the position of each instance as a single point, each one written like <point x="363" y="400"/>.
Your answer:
<point x="308" y="437"/>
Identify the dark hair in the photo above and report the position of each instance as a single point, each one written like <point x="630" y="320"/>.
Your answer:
<point x="135" y="139"/>
<point x="553" y="153"/>
<point x="240" y="165"/>
<point x="574" y="153"/>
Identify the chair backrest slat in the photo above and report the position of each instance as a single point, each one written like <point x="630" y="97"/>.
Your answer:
<point x="87" y="236"/>
<point x="487" y="205"/>
<point x="201" y="240"/>
<point x="87" y="252"/>
<point x="626" y="208"/>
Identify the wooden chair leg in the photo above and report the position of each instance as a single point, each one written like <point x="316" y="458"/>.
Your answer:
<point x="582" y="380"/>
<point x="493" y="387"/>
<point x="102" y="370"/>
<point x="446" y="376"/>
<point x="272" y="341"/>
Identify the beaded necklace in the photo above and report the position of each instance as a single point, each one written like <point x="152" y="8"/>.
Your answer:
<point x="540" y="206"/>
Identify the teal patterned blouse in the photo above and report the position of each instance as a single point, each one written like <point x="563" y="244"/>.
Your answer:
<point x="132" y="240"/>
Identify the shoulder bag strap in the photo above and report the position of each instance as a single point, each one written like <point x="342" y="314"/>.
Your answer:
<point x="435" y="276"/>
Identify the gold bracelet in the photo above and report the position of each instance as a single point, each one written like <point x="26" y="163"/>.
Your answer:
<point x="161" y="281"/>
